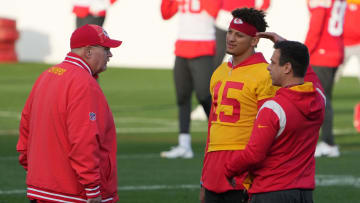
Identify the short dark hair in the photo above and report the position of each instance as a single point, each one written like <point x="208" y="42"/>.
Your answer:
<point x="251" y="16"/>
<point x="296" y="54"/>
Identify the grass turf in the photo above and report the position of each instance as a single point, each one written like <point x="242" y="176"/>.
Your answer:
<point x="143" y="104"/>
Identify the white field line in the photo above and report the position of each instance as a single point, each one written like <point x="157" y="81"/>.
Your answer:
<point x="119" y="157"/>
<point x="145" y="125"/>
<point x="10" y="114"/>
<point x="321" y="181"/>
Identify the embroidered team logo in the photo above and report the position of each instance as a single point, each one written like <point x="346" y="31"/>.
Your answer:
<point x="57" y="71"/>
<point x="105" y="33"/>
<point x="92" y="116"/>
<point x="238" y="21"/>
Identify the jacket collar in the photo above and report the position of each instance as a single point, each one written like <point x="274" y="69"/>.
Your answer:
<point x="78" y="61"/>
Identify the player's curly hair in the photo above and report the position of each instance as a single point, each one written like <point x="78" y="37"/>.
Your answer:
<point x="251" y="16"/>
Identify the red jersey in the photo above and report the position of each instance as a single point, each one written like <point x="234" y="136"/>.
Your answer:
<point x="280" y="153"/>
<point x="196" y="33"/>
<point x="83" y="8"/>
<point x="325" y="35"/>
<point x="351" y="29"/>
<point x="67" y="140"/>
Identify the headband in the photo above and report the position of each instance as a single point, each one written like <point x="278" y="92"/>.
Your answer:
<point x="243" y="27"/>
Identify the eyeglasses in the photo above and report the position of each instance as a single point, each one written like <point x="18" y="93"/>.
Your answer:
<point x="107" y="49"/>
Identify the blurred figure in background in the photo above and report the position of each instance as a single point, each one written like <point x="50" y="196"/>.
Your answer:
<point x="325" y="43"/>
<point x="194" y="50"/>
<point x="352" y="46"/>
<point x="351" y="34"/>
<point x="91" y="11"/>
<point x="222" y="22"/>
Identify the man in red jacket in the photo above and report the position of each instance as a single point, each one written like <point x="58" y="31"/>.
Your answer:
<point x="280" y="152"/>
<point x="326" y="48"/>
<point x="67" y="140"/>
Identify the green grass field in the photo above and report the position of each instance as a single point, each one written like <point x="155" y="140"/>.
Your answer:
<point x="143" y="104"/>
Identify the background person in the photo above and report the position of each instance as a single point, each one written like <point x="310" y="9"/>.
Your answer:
<point x="67" y="140"/>
<point x="325" y="43"/>
<point x="90" y="11"/>
<point x="194" y="50"/>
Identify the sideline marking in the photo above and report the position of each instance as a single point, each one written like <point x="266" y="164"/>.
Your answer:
<point x="321" y="181"/>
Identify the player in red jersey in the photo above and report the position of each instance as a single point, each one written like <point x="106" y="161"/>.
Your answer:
<point x="194" y="50"/>
<point x="238" y="88"/>
<point x="280" y="153"/>
<point x="325" y="43"/>
<point x="91" y="11"/>
<point x="351" y="34"/>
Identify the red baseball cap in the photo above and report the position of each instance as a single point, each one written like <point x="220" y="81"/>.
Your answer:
<point x="89" y="35"/>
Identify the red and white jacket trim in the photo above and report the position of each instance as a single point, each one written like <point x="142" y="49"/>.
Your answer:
<point x="55" y="197"/>
<point x="76" y="60"/>
<point x="92" y="192"/>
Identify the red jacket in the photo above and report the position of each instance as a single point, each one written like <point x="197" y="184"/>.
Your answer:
<point x="280" y="153"/>
<point x="67" y="140"/>
<point x="325" y="34"/>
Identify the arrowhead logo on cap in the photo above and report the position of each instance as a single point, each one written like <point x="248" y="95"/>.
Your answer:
<point x="238" y="21"/>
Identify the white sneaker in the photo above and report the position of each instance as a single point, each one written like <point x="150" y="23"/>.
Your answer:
<point x="323" y="149"/>
<point x="178" y="152"/>
<point x="198" y="114"/>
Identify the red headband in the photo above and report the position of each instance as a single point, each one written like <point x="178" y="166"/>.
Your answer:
<point x="243" y="27"/>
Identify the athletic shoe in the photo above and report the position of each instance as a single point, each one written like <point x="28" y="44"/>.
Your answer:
<point x="323" y="149"/>
<point x="198" y="114"/>
<point x="178" y="152"/>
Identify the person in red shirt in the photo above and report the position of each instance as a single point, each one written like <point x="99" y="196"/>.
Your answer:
<point x="91" y="11"/>
<point x="351" y="34"/>
<point x="194" y="50"/>
<point x="280" y="152"/>
<point x="67" y="141"/>
<point x="326" y="47"/>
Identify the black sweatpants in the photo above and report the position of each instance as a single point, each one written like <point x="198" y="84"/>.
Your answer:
<point x="189" y="75"/>
<point x="284" y="196"/>
<point x="220" y="36"/>
<point x="90" y="19"/>
<point x="232" y="196"/>
<point x="326" y="76"/>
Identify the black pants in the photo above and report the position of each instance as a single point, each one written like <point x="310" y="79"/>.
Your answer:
<point x="189" y="75"/>
<point x="232" y="196"/>
<point x="90" y="19"/>
<point x="220" y="36"/>
<point x="326" y="76"/>
<point x="284" y="196"/>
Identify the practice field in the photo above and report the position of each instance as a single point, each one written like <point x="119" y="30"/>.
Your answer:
<point x="143" y="104"/>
